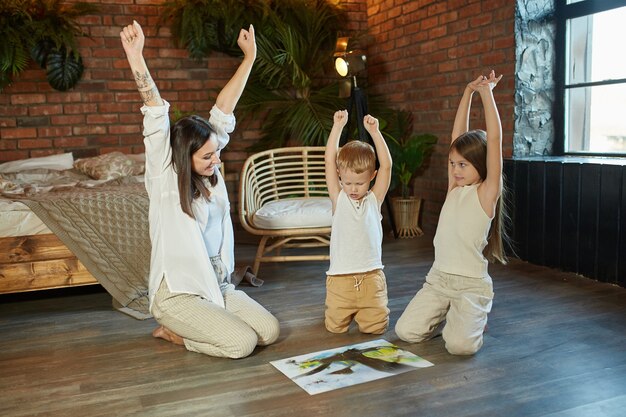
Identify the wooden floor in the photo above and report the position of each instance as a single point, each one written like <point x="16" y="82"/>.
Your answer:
<point x="556" y="346"/>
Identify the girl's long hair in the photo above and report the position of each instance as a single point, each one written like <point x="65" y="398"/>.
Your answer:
<point x="472" y="146"/>
<point x="187" y="136"/>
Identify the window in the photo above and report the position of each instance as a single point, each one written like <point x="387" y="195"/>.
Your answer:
<point x="591" y="48"/>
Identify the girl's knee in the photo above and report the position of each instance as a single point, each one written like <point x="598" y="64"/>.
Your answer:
<point x="415" y="329"/>
<point x="463" y="346"/>
<point x="411" y="333"/>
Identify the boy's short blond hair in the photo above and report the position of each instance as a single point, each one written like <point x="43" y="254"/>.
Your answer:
<point x="357" y="156"/>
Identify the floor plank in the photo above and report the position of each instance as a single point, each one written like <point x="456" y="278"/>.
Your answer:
<point x="555" y="347"/>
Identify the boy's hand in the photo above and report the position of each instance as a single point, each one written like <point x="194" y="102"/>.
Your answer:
<point x="340" y="118"/>
<point x="247" y="42"/>
<point x="370" y="123"/>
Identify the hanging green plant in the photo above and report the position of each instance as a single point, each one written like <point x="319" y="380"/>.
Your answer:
<point x="63" y="69"/>
<point x="35" y="30"/>
<point x="16" y="41"/>
<point x="204" y="26"/>
<point x="40" y="50"/>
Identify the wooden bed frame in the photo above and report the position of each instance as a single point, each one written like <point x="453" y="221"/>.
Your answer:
<point x="39" y="262"/>
<point x="43" y="262"/>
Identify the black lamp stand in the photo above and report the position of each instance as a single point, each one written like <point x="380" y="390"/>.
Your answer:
<point x="358" y="102"/>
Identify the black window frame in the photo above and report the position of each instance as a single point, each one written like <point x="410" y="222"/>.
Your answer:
<point x="564" y="12"/>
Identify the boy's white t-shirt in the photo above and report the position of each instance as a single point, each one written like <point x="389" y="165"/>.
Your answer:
<point x="357" y="235"/>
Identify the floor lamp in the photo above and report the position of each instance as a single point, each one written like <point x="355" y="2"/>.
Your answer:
<point x="348" y="64"/>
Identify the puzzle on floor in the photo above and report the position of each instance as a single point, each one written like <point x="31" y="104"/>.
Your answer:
<point x="348" y="365"/>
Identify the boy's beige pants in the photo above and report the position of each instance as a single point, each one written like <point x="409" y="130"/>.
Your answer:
<point x="362" y="297"/>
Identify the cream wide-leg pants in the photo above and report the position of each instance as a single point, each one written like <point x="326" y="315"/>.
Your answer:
<point x="463" y="302"/>
<point x="231" y="332"/>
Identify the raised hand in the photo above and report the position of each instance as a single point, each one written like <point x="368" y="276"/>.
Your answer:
<point x="370" y="123"/>
<point x="340" y="118"/>
<point x="133" y="40"/>
<point x="485" y="83"/>
<point x="247" y="42"/>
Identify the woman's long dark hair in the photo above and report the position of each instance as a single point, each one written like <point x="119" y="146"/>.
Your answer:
<point x="472" y="146"/>
<point x="187" y="136"/>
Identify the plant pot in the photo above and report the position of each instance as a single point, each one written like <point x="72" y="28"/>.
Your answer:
<point x="406" y="214"/>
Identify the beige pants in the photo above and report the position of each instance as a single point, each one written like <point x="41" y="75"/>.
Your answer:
<point x="232" y="332"/>
<point x="362" y="297"/>
<point x="463" y="303"/>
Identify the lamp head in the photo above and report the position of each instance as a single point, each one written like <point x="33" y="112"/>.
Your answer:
<point x="348" y="62"/>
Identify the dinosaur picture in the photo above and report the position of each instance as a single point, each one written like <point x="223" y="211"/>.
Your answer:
<point x="349" y="365"/>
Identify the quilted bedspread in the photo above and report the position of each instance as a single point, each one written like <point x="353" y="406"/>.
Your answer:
<point x="106" y="228"/>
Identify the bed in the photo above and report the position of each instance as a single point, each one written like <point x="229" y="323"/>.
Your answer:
<point x="66" y="222"/>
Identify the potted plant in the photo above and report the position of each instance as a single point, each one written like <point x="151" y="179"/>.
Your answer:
<point x="408" y="151"/>
<point x="43" y="31"/>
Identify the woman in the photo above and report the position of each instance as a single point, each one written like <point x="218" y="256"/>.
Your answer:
<point x="191" y="296"/>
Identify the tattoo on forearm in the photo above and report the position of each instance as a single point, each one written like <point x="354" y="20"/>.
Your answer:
<point x="150" y="95"/>
<point x="143" y="80"/>
<point x="147" y="88"/>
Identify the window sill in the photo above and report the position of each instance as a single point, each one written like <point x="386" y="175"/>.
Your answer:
<point x="594" y="160"/>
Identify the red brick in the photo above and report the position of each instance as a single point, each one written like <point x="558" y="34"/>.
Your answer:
<point x="47" y="132"/>
<point x="45" y="110"/>
<point x="34" y="143"/>
<point x="71" y="142"/>
<point x="18" y="133"/>
<point x="13" y="155"/>
<point x="102" y="118"/>
<point x="8" y="144"/>
<point x="28" y="99"/>
<point x="126" y="129"/>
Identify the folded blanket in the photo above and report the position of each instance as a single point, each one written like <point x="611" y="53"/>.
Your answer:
<point x="107" y="229"/>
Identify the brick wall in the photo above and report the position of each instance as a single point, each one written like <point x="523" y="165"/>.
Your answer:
<point x="423" y="54"/>
<point x="101" y="113"/>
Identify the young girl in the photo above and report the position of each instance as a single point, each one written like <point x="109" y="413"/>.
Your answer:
<point x="458" y="288"/>
<point x="191" y="296"/>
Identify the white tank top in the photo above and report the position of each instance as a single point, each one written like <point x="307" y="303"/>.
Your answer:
<point x="357" y="236"/>
<point x="210" y="215"/>
<point x="462" y="234"/>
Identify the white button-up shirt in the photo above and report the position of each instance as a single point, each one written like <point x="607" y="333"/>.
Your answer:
<point x="178" y="252"/>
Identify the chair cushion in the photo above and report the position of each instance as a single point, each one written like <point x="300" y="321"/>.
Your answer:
<point x="294" y="213"/>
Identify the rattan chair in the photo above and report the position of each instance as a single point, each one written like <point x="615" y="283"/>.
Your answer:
<point x="285" y="175"/>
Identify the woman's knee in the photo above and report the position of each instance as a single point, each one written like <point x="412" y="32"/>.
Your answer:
<point x="270" y="332"/>
<point x="242" y="345"/>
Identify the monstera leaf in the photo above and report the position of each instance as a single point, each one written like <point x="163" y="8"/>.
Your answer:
<point x="40" y="50"/>
<point x="63" y="69"/>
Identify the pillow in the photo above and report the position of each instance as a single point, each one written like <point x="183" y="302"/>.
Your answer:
<point x="109" y="166"/>
<point x="58" y="162"/>
<point x="294" y="213"/>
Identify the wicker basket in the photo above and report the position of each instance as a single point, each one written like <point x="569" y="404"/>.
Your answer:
<point x="406" y="213"/>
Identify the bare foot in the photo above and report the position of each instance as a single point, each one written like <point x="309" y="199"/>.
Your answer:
<point x="166" y="334"/>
